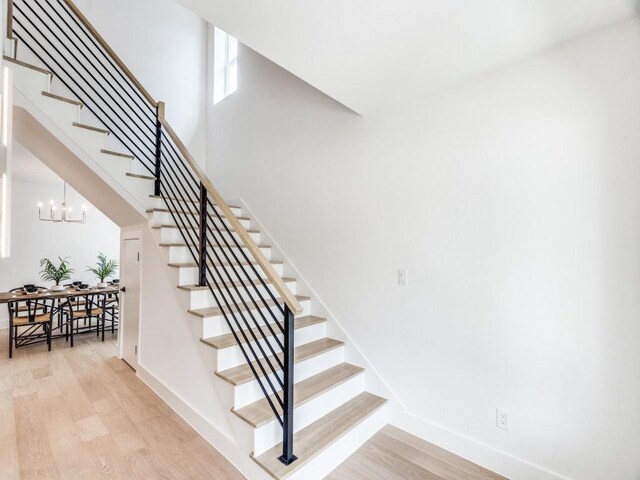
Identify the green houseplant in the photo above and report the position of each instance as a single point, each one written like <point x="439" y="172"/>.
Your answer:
<point x="104" y="269"/>
<point x="52" y="273"/>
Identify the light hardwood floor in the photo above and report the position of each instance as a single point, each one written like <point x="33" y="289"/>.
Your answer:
<point x="83" y="414"/>
<point x="393" y="454"/>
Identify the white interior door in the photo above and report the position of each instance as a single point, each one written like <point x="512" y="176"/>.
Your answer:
<point x="130" y="299"/>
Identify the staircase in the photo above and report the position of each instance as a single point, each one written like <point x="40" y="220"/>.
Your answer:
<point x="297" y="407"/>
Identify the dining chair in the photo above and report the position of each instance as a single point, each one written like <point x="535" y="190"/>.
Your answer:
<point x="112" y="312"/>
<point x="93" y="306"/>
<point x="30" y="320"/>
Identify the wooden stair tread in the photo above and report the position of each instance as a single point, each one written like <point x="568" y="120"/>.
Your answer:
<point x="225" y="264"/>
<point x="140" y="175"/>
<point x="158" y="197"/>
<point x="91" y="127"/>
<point x="117" y="154"/>
<point x="27" y="65"/>
<point x="182" y="244"/>
<point x="417" y="446"/>
<point x="169" y="210"/>
<point x="197" y="288"/>
<point x="259" y="413"/>
<point x="189" y="226"/>
<point x="320" y="435"/>
<point x="228" y="340"/>
<point x="63" y="99"/>
<point x="239" y="307"/>
<point x="242" y="373"/>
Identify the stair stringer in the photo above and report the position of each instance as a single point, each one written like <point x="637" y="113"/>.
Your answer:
<point x="203" y="404"/>
<point x="375" y="382"/>
<point x="247" y="436"/>
<point x="58" y="119"/>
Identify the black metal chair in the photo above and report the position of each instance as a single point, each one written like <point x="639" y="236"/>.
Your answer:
<point x="85" y="307"/>
<point x="112" y="313"/>
<point x="30" y="320"/>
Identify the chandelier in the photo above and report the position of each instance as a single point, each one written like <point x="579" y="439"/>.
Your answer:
<point x="65" y="211"/>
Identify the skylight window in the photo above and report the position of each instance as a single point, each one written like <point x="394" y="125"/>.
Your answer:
<point x="225" y="79"/>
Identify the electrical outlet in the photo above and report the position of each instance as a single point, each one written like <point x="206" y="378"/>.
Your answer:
<point x="402" y="278"/>
<point x="503" y="420"/>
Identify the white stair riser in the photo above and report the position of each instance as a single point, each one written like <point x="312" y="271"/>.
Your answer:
<point x="168" y="235"/>
<point x="61" y="109"/>
<point x="215" y="326"/>
<point x="31" y="83"/>
<point x="250" y="392"/>
<point x="204" y="298"/>
<point x="167" y="218"/>
<point x="160" y="203"/>
<point x="189" y="275"/>
<point x="327" y="461"/>
<point x="232" y="356"/>
<point x="120" y="164"/>
<point x="183" y="254"/>
<point x="270" y="435"/>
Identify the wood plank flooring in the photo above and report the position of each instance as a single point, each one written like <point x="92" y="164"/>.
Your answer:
<point x="393" y="454"/>
<point x="83" y="414"/>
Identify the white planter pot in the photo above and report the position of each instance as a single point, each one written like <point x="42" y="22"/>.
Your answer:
<point x="57" y="288"/>
<point x="103" y="285"/>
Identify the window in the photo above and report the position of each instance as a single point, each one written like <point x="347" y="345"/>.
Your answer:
<point x="225" y="78"/>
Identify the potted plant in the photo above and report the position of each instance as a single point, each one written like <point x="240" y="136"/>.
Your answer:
<point x="52" y="273"/>
<point x="103" y="269"/>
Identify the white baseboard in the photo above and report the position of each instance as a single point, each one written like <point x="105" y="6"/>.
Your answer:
<point x="473" y="450"/>
<point x="466" y="447"/>
<point x="200" y="424"/>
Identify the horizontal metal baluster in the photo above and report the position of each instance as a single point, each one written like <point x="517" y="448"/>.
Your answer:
<point x="137" y="112"/>
<point x="247" y="275"/>
<point x="183" y="194"/>
<point x="109" y="59"/>
<point x="253" y="318"/>
<point x="188" y="223"/>
<point x="251" y="367"/>
<point x="181" y="168"/>
<point x="222" y="289"/>
<point x="244" y="254"/>
<point x="247" y="290"/>
<point x="73" y="90"/>
<point x="82" y="64"/>
<point x="248" y="310"/>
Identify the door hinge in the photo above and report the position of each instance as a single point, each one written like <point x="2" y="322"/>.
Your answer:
<point x="138" y="256"/>
<point x="136" y="350"/>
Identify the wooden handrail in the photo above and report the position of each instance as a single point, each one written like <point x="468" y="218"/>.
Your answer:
<point x="110" y="51"/>
<point x="275" y="279"/>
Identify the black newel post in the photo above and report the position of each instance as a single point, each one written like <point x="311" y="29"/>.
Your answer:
<point x="287" y="444"/>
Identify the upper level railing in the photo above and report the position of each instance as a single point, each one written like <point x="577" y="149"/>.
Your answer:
<point x="255" y="302"/>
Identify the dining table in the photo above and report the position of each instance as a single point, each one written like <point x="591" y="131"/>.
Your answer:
<point x="69" y="292"/>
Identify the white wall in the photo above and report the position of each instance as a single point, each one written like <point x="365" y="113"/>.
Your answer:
<point x="33" y="239"/>
<point x="513" y="201"/>
<point x="164" y="45"/>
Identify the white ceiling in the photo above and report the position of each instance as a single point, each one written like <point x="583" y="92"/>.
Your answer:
<point x="369" y="53"/>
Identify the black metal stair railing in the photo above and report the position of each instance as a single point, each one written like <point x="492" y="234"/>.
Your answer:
<point x="229" y="264"/>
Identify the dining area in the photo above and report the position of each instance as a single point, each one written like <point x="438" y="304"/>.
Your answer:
<point x="54" y="316"/>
